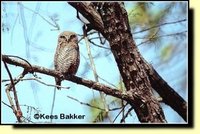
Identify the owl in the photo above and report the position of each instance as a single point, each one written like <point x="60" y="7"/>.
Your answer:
<point x="67" y="58"/>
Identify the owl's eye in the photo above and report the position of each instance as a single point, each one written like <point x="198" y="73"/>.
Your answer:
<point x="72" y="36"/>
<point x="62" y="37"/>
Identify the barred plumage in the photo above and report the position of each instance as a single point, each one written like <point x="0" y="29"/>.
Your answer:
<point x="67" y="57"/>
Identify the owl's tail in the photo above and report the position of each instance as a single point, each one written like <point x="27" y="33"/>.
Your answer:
<point x="58" y="83"/>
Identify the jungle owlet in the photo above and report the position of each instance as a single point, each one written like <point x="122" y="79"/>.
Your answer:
<point x="67" y="58"/>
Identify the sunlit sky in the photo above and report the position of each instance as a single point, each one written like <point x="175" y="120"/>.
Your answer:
<point x="42" y="38"/>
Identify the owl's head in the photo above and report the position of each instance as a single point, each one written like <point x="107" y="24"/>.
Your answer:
<point x="68" y="37"/>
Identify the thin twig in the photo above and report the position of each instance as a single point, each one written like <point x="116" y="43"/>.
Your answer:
<point x="164" y="35"/>
<point x="36" y="109"/>
<point x="122" y="109"/>
<point x="100" y="38"/>
<point x="17" y="112"/>
<point x="166" y="23"/>
<point x="126" y="115"/>
<point x="36" y="79"/>
<point x="113" y="109"/>
<point x="50" y="85"/>
<point x="161" y="36"/>
<point x="15" y="22"/>
<point x="53" y="103"/>
<point x="16" y="80"/>
<point x="25" y="29"/>
<point x="6" y="104"/>
<point x="107" y="82"/>
<point x="98" y="45"/>
<point x="56" y="26"/>
<point x="122" y="101"/>
<point x="93" y="67"/>
<point x="117" y="115"/>
<point x="134" y="9"/>
<point x="150" y="38"/>
<point x="87" y="104"/>
<point x="95" y="73"/>
<point x="93" y="38"/>
<point x="22" y="118"/>
<point x="89" y="33"/>
<point x="33" y="20"/>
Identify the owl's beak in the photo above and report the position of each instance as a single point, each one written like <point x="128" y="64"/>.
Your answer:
<point x="67" y="38"/>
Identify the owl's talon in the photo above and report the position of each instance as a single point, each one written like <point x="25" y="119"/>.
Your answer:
<point x="62" y="76"/>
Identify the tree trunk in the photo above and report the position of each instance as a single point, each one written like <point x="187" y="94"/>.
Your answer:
<point x="139" y="77"/>
<point x="130" y="62"/>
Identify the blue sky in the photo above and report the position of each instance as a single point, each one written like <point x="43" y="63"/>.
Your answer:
<point x="40" y="51"/>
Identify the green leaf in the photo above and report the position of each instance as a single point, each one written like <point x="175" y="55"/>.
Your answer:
<point x="166" y="52"/>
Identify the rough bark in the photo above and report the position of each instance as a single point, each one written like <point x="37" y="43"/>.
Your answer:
<point x="169" y="96"/>
<point x="139" y="77"/>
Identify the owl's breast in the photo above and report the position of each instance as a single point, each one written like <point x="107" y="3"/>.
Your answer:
<point x="68" y="59"/>
<point x="74" y="66"/>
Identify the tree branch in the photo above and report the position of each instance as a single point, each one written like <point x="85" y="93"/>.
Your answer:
<point x="90" y="14"/>
<point x="88" y="83"/>
<point x="169" y="96"/>
<point x="17" y="111"/>
<point x="38" y="80"/>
